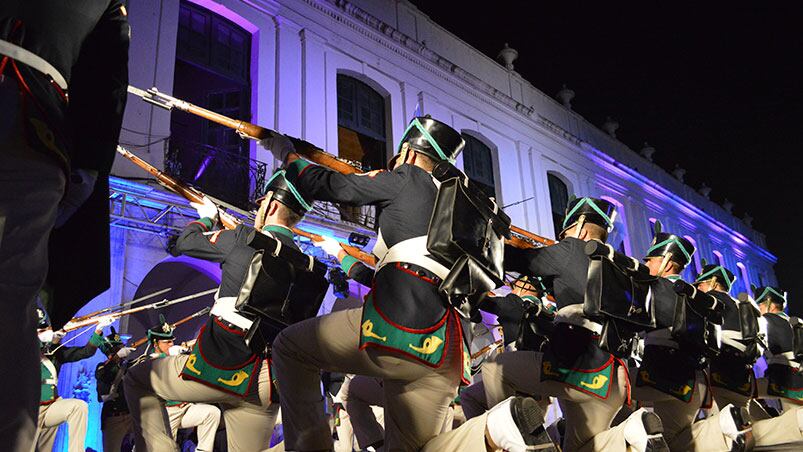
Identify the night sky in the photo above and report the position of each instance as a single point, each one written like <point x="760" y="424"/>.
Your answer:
<point x="714" y="88"/>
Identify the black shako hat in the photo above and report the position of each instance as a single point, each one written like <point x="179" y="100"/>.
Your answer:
<point x="111" y="342"/>
<point x="282" y="185"/>
<point x="678" y="248"/>
<point x="432" y="138"/>
<point x="769" y="293"/>
<point x="592" y="210"/>
<point x="161" y="331"/>
<point x="718" y="272"/>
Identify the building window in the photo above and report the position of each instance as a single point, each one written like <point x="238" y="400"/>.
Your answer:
<point x="478" y="164"/>
<point x="558" y="199"/>
<point x="212" y="71"/>
<point x="213" y="42"/>
<point x="361" y="131"/>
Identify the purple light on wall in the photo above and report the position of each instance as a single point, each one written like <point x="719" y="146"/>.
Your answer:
<point x="202" y="168"/>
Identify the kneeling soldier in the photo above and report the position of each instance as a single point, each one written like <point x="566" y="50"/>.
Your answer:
<point x="407" y="332"/>
<point x="184" y="414"/>
<point x="590" y="383"/>
<point x="221" y="368"/>
<point x="54" y="410"/>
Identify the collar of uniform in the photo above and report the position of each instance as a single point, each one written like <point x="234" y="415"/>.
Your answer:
<point x="279" y="229"/>
<point x="672" y="278"/>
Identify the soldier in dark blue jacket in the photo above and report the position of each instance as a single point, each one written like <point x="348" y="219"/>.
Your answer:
<point x="47" y="50"/>
<point x="221" y="367"/>
<point x="406" y="333"/>
<point x="590" y="383"/>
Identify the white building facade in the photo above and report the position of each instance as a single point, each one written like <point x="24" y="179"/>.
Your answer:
<point x="347" y="76"/>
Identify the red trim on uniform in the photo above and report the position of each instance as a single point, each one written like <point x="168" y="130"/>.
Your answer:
<point x="201" y="351"/>
<point x="407" y="270"/>
<point x="348" y="272"/>
<point x="298" y="176"/>
<point x="185" y="376"/>
<point x="405" y="354"/>
<point x="412" y="330"/>
<point x="708" y="397"/>
<point x="225" y="327"/>
<point x="199" y="223"/>
<point x="589" y="371"/>
<point x="621" y="362"/>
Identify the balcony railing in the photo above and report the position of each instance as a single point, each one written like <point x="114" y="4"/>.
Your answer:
<point x="240" y="181"/>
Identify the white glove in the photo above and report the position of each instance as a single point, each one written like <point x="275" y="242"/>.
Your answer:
<point x="104" y="321"/>
<point x="58" y="335"/>
<point x="207" y="209"/>
<point x="125" y="351"/>
<point x="176" y="350"/>
<point x="278" y="145"/>
<point x="330" y="246"/>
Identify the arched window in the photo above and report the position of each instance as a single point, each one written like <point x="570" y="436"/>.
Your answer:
<point x="720" y="259"/>
<point x="558" y="199"/>
<point x="361" y="131"/>
<point x="694" y="267"/>
<point x="478" y="164"/>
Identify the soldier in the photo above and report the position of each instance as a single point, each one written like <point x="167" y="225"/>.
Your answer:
<point x="406" y="332"/>
<point x="671" y="374"/>
<point x="732" y="371"/>
<point x="732" y="378"/>
<point x="184" y="414"/>
<point x="115" y="420"/>
<point x="782" y="379"/>
<point x="228" y="372"/>
<point x="54" y="410"/>
<point x="523" y="317"/>
<point x="47" y="49"/>
<point x="589" y="382"/>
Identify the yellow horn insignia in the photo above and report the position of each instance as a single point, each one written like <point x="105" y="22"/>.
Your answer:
<point x="368" y="331"/>
<point x="429" y="346"/>
<point x="191" y="364"/>
<point x="236" y="380"/>
<point x="598" y="382"/>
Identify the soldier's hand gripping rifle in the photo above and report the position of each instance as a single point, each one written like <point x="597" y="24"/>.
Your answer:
<point x="158" y="305"/>
<point x="227" y="220"/>
<point x="522" y="239"/>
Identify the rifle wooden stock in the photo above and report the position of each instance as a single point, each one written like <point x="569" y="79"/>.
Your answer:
<point x="143" y="340"/>
<point x="191" y="194"/>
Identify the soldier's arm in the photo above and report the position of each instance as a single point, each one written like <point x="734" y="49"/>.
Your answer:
<point x="198" y="239"/>
<point x="98" y="87"/>
<point x="323" y="184"/>
<point x="545" y="261"/>
<point x="72" y="354"/>
<point x="357" y="271"/>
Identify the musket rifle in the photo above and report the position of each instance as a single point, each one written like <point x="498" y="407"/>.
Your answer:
<point x="120" y="306"/>
<point x="158" y="305"/>
<point x="525" y="239"/>
<point x="227" y="220"/>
